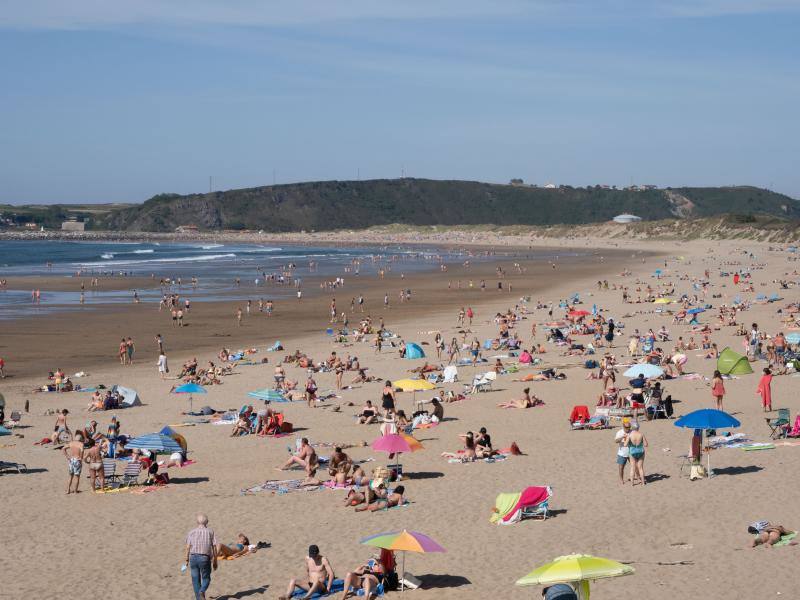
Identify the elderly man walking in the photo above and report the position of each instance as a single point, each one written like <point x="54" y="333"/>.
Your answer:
<point x="201" y="556"/>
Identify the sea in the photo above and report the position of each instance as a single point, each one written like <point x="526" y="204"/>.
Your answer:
<point x="216" y="266"/>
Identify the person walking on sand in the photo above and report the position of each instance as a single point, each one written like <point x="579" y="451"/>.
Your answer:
<point x="717" y="389"/>
<point x="623" y="451"/>
<point x="764" y="389"/>
<point x="239" y="317"/>
<point x="130" y="349"/>
<point x="201" y="556"/>
<point x="74" y="453"/>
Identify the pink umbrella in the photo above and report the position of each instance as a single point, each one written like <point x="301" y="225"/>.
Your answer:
<point x="392" y="444"/>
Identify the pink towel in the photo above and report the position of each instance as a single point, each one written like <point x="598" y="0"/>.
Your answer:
<point x="531" y="496"/>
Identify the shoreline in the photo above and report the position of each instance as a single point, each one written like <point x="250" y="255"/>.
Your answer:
<point x="210" y="324"/>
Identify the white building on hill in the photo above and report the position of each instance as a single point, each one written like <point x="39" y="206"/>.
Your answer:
<point x="626" y="218"/>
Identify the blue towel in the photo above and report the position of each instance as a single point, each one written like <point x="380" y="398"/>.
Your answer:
<point x="336" y="588"/>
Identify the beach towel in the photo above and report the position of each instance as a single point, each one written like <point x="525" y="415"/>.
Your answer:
<point x="336" y="588"/>
<point x="530" y="496"/>
<point x="280" y="487"/>
<point x="186" y="463"/>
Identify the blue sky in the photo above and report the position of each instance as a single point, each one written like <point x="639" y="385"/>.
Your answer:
<point x="118" y="101"/>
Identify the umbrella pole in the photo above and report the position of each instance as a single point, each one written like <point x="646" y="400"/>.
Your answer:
<point x="403" y="578"/>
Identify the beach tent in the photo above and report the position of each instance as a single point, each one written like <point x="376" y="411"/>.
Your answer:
<point x="129" y="396"/>
<point x="414" y="351"/>
<point x="730" y="363"/>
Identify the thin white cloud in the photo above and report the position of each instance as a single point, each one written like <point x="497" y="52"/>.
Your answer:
<point x="102" y="14"/>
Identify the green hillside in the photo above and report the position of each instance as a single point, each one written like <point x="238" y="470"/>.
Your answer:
<point x="330" y="205"/>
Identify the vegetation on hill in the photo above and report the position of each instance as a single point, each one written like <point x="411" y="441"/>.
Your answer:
<point x="330" y="205"/>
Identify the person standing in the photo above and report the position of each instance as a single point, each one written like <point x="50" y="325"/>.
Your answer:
<point x="74" y="453"/>
<point x="717" y="389"/>
<point x="163" y="367"/>
<point x="239" y="317"/>
<point x="201" y="556"/>
<point x="623" y="451"/>
<point x="160" y="343"/>
<point x="764" y="389"/>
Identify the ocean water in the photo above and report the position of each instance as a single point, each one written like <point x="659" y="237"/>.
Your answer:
<point x="215" y="265"/>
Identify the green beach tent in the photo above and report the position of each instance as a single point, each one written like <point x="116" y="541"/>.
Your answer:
<point x="730" y="363"/>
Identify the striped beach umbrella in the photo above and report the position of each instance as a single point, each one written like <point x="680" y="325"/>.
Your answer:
<point x="156" y="442"/>
<point x="403" y="541"/>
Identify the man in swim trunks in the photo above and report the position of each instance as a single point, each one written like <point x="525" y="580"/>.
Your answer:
<point x="74" y="453"/>
<point x="93" y="458"/>
<point x="306" y="457"/>
<point x="320" y="575"/>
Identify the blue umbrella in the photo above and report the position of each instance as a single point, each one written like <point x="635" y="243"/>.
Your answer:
<point x="157" y="442"/>
<point x="707" y="418"/>
<point x="190" y="388"/>
<point x="646" y="369"/>
<point x="268" y="395"/>
<point x="695" y="311"/>
<point x="793" y="338"/>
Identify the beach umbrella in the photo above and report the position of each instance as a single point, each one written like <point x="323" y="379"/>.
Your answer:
<point x="167" y="430"/>
<point x="403" y="541"/>
<point x="646" y="369"/>
<point x="695" y="311"/>
<point x="157" y="442"/>
<point x="412" y="385"/>
<point x="793" y="338"/>
<point x="268" y="395"/>
<point x="575" y="568"/>
<point x="394" y="443"/>
<point x="190" y="388"/>
<point x="413" y="442"/>
<point x="707" y="418"/>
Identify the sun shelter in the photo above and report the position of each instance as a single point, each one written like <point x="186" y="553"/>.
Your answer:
<point x="130" y="397"/>
<point x="414" y="351"/>
<point x="731" y="363"/>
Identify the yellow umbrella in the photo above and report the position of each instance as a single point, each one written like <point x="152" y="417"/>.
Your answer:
<point x="413" y="385"/>
<point x="580" y="568"/>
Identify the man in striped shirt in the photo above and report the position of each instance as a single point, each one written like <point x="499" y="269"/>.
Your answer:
<point x="201" y="556"/>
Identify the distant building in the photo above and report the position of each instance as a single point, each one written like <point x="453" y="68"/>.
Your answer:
<point x="187" y="229"/>
<point x="626" y="218"/>
<point x="549" y="186"/>
<point x="31" y="226"/>
<point x="73" y="225"/>
<point x="650" y="187"/>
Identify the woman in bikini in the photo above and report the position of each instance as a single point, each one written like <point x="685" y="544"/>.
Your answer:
<point x="391" y="500"/>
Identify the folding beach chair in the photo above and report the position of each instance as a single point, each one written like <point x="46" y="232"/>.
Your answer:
<point x="579" y="415"/>
<point x="14" y="419"/>
<point x="484" y="382"/>
<point x="778" y="426"/>
<point x="109" y="470"/>
<point x="450" y="374"/>
<point x="131" y="474"/>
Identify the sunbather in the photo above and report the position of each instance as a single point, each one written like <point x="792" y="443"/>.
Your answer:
<point x="366" y="577"/>
<point x="320" y="575"/>
<point x="767" y="534"/>
<point x="525" y="401"/>
<point x="306" y="457"/>
<point x="240" y="547"/>
<point x="393" y="499"/>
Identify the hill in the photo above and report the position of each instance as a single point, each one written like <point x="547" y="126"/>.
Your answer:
<point x="51" y="216"/>
<point x="327" y="205"/>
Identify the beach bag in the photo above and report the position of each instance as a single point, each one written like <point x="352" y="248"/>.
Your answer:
<point x="380" y="472"/>
<point x="391" y="581"/>
<point x="286" y="427"/>
<point x="590" y="364"/>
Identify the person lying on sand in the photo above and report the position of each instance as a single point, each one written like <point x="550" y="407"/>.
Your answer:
<point x="525" y="401"/>
<point x="767" y="534"/>
<point x="393" y="499"/>
<point x="240" y="547"/>
<point x="320" y="576"/>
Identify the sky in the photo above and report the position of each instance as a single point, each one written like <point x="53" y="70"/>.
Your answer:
<point x="118" y="101"/>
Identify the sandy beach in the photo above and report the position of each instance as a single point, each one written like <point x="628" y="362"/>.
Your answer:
<point x="684" y="538"/>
